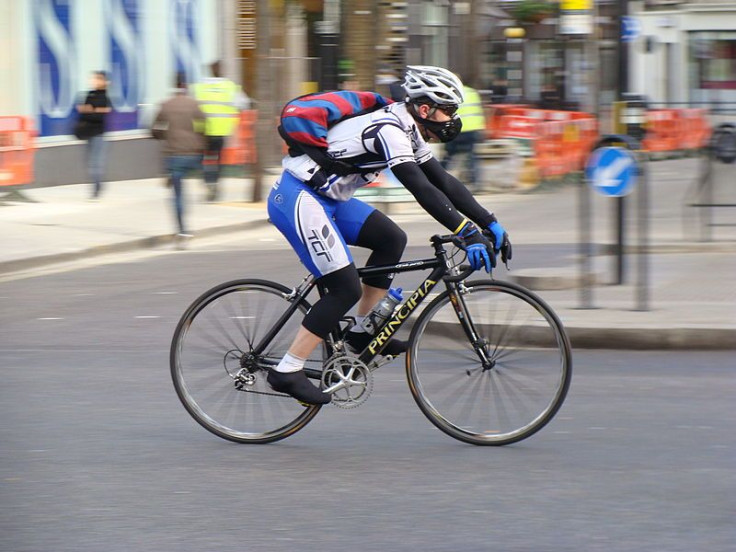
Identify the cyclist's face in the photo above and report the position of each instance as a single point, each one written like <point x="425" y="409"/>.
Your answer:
<point x="439" y="114"/>
<point x="435" y="113"/>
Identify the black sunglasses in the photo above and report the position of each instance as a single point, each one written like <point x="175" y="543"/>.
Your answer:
<point x="448" y="110"/>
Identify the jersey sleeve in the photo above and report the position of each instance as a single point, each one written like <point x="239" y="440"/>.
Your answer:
<point x="397" y="147"/>
<point x="422" y="151"/>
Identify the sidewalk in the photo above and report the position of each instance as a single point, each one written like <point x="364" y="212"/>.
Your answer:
<point x="691" y="296"/>
<point x="61" y="224"/>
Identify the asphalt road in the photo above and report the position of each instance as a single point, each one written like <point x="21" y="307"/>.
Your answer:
<point x="96" y="453"/>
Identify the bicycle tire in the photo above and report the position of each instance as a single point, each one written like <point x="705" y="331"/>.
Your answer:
<point x="227" y="320"/>
<point x="514" y="399"/>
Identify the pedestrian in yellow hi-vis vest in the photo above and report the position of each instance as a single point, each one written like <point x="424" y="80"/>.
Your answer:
<point x="474" y="125"/>
<point x="221" y="100"/>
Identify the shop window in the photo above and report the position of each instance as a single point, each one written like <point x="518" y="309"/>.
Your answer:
<point x="714" y="57"/>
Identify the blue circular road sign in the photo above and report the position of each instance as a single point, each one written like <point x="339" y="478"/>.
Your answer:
<point x="612" y="171"/>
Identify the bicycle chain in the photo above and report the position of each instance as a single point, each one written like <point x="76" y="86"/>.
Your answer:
<point x="331" y="366"/>
<point x="264" y="393"/>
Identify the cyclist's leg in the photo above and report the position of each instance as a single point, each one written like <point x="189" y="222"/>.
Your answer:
<point x="365" y="226"/>
<point x="306" y="220"/>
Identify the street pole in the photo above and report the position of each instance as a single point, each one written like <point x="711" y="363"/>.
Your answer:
<point x="328" y="31"/>
<point x="622" y="87"/>
<point x="264" y="102"/>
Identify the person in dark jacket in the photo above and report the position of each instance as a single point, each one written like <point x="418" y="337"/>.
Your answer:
<point x="181" y="124"/>
<point x="92" y="115"/>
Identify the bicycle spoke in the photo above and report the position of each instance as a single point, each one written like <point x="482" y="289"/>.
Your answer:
<point x="207" y="353"/>
<point x="224" y="332"/>
<point x="500" y="403"/>
<point x="211" y="377"/>
<point x="506" y="327"/>
<point x="238" y="322"/>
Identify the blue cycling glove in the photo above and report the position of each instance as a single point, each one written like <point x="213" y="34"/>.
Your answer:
<point x="500" y="240"/>
<point x="479" y="249"/>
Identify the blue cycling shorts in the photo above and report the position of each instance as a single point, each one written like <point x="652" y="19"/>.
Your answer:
<point x="317" y="227"/>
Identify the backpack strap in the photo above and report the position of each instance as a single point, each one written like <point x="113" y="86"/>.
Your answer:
<point x="320" y="156"/>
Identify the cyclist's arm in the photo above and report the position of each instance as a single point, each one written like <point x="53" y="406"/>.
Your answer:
<point x="431" y="198"/>
<point x="391" y="142"/>
<point x="452" y="188"/>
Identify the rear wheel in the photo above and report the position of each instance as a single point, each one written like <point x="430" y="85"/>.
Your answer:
<point x="511" y="394"/>
<point x="220" y="379"/>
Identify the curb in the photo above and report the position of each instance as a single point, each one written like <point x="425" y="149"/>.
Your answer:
<point x="663" y="249"/>
<point x="152" y="242"/>
<point x="648" y="338"/>
<point x="553" y="279"/>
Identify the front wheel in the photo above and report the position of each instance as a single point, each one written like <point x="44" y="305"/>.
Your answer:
<point x="506" y="386"/>
<point x="221" y="378"/>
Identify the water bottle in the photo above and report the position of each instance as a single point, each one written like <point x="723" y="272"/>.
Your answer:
<point x="382" y="311"/>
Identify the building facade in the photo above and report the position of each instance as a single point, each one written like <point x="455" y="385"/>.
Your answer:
<point x="685" y="51"/>
<point x="50" y="47"/>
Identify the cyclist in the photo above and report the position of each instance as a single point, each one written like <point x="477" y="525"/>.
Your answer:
<point x="319" y="216"/>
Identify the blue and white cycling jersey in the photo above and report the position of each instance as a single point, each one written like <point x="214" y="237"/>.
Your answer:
<point x="371" y="142"/>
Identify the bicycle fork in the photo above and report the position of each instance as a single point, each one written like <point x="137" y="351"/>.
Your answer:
<point x="461" y="310"/>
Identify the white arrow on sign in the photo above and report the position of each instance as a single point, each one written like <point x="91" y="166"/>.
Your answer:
<point x="608" y="177"/>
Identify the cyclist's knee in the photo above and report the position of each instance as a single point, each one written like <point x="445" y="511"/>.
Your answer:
<point x="343" y="285"/>
<point x="341" y="291"/>
<point x="398" y="243"/>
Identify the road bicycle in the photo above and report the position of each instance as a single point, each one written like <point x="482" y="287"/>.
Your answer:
<point x="488" y="361"/>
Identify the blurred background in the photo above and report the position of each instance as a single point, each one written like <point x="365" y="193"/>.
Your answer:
<point x="571" y="55"/>
<point x="96" y="451"/>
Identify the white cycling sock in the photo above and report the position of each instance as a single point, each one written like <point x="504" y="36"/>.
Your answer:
<point x="290" y="363"/>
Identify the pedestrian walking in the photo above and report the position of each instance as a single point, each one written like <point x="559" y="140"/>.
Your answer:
<point x="221" y="100"/>
<point x="91" y="127"/>
<point x="180" y="123"/>
<point x="473" y="126"/>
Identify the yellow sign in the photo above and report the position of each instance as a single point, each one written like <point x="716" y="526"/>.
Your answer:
<point x="571" y="133"/>
<point x="576" y="5"/>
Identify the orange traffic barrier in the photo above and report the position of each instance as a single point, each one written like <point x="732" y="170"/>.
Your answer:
<point x="696" y="129"/>
<point x="241" y="146"/>
<point x="563" y="145"/>
<point x="664" y="130"/>
<point x="676" y="129"/>
<point x="493" y="113"/>
<point x="515" y="126"/>
<point x="17" y="149"/>
<point x="561" y="139"/>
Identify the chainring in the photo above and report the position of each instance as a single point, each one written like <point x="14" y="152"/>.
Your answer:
<point x="348" y="379"/>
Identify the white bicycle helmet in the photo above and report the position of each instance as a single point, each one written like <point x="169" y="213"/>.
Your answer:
<point x="435" y="83"/>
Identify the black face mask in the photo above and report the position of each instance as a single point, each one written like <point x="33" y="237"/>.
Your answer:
<point x="446" y="131"/>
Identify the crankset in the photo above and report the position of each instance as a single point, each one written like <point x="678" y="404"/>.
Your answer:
<point x="348" y="380"/>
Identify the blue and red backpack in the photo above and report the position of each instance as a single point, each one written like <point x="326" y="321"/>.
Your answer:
<point x="305" y="121"/>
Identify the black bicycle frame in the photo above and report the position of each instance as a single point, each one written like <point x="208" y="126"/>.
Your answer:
<point x="439" y="266"/>
<point x="403" y="312"/>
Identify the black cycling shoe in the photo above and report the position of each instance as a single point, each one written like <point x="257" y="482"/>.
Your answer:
<point x="357" y="341"/>
<point x="297" y="385"/>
